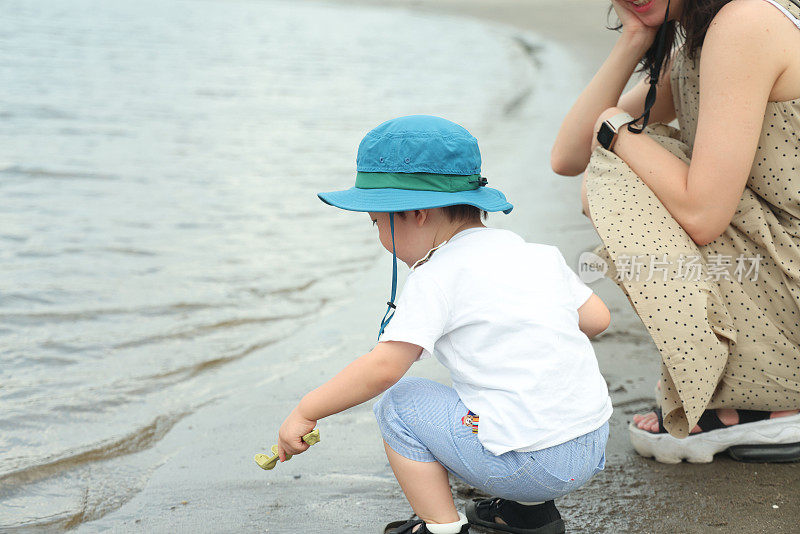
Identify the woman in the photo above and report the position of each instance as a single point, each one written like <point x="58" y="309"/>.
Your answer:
<point x="721" y="194"/>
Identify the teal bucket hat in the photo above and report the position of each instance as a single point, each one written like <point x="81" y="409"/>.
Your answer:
<point x="412" y="163"/>
<point x="418" y="162"/>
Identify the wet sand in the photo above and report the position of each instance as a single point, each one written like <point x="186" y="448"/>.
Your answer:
<point x="208" y="481"/>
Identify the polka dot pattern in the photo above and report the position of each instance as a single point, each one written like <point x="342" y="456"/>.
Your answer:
<point x="728" y="341"/>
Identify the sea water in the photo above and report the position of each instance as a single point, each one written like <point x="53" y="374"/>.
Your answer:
<point x="159" y="164"/>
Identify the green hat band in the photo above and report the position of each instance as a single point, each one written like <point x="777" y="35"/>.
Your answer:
<point x="419" y="181"/>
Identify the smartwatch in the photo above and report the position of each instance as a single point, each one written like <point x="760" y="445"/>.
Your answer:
<point x="607" y="134"/>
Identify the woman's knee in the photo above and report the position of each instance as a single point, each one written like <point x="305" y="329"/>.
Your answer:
<point x="585" y="199"/>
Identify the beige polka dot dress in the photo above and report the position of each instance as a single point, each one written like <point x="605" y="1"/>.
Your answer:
<point x="725" y="316"/>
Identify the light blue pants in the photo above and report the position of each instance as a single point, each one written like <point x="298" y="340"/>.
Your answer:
<point x="421" y="420"/>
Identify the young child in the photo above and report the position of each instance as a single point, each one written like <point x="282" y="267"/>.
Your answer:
<point x="526" y="418"/>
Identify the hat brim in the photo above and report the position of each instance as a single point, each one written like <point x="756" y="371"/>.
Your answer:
<point x="394" y="200"/>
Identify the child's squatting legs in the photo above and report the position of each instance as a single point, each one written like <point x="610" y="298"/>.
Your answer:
<point x="425" y="439"/>
<point x="426" y="486"/>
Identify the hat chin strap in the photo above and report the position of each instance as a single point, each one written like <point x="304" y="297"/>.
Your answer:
<point x="387" y="316"/>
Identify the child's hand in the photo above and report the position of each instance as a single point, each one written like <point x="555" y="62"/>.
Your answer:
<point x="290" y="435"/>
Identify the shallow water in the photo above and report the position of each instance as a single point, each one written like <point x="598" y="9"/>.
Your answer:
<point x="158" y="217"/>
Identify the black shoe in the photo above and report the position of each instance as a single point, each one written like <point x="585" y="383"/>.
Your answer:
<point x="519" y="518"/>
<point x="405" y="527"/>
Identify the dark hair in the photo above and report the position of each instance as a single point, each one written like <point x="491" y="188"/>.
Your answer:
<point x="692" y="28"/>
<point x="459" y="212"/>
<point x="464" y="212"/>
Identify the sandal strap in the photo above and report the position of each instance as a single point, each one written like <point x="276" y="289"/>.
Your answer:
<point x="707" y="422"/>
<point x="408" y="526"/>
<point x="488" y="507"/>
<point x="751" y="416"/>
<point x="661" y="429"/>
<point x="710" y="421"/>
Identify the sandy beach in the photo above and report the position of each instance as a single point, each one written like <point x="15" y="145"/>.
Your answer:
<point x="206" y="480"/>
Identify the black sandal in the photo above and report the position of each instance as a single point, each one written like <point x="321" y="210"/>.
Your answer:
<point x="755" y="437"/>
<point x="710" y="420"/>
<point x="405" y="527"/>
<point x="519" y="518"/>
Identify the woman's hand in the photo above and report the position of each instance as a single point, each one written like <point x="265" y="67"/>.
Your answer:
<point x="290" y="435"/>
<point x="572" y="149"/>
<point x="633" y="27"/>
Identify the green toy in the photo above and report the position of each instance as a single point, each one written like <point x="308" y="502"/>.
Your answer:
<point x="268" y="462"/>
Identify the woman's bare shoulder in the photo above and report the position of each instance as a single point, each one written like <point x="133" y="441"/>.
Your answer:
<point x="750" y="33"/>
<point x="749" y="17"/>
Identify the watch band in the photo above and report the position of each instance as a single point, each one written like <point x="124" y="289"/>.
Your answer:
<point x="619" y="120"/>
<point x="609" y="130"/>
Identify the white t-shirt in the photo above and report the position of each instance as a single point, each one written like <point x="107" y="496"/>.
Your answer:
<point x="502" y="315"/>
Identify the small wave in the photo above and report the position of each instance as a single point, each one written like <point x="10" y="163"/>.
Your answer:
<point x="533" y="52"/>
<point x="157" y="381"/>
<point x="532" y="49"/>
<point x="15" y="238"/>
<point x="216" y="362"/>
<point x="86" y="315"/>
<point x="61" y="347"/>
<point x="37" y="112"/>
<point x="46" y="524"/>
<point x="293" y="289"/>
<point x="19" y="296"/>
<point x="38" y="172"/>
<point x="136" y="441"/>
<point x="36" y="254"/>
<point x="129" y="251"/>
<point x="203" y="329"/>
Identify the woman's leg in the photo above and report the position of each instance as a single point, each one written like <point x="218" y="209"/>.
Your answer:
<point x="585" y="199"/>
<point x="649" y="421"/>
